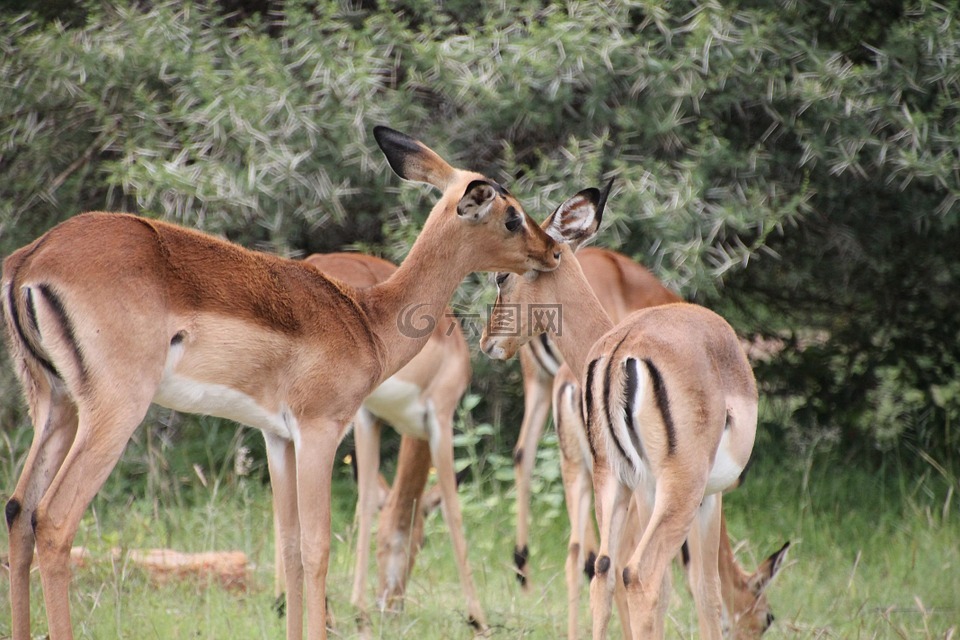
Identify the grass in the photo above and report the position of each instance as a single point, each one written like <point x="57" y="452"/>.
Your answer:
<point x="875" y="555"/>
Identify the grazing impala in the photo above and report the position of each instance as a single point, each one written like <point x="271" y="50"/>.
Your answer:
<point x="107" y="313"/>
<point x="622" y="286"/>
<point x="671" y="408"/>
<point x="419" y="401"/>
<point x="746" y="611"/>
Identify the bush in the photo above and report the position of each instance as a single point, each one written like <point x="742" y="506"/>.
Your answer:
<point x="793" y="167"/>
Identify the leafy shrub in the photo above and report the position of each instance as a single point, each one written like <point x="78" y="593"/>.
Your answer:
<point x="792" y="166"/>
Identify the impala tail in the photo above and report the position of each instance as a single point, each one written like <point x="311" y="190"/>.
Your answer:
<point x="616" y="388"/>
<point x="20" y="314"/>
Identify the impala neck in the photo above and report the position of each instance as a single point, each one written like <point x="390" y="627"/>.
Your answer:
<point x="584" y="319"/>
<point x="404" y="309"/>
<point x="732" y="577"/>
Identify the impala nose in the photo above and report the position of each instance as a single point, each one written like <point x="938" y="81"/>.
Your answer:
<point x="485" y="345"/>
<point x="491" y="349"/>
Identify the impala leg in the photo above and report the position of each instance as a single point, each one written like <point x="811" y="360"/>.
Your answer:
<point x="577" y="486"/>
<point x="101" y="437"/>
<point x="400" y="533"/>
<point x="536" y="406"/>
<point x="646" y="576"/>
<point x="704" y="542"/>
<point x="279" y="584"/>
<point x="441" y="451"/>
<point x="315" y="453"/>
<point x="366" y="433"/>
<point x="55" y="426"/>
<point x="638" y="516"/>
<point x="612" y="501"/>
<point x="589" y="543"/>
<point x="282" y="462"/>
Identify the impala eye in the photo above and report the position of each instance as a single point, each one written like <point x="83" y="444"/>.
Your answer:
<point x="501" y="277"/>
<point x="514" y="220"/>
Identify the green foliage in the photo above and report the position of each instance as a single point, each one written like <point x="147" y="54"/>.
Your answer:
<point x="791" y="164"/>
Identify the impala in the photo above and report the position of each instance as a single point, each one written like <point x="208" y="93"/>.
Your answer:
<point x="108" y="313"/>
<point x="419" y="401"/>
<point x="746" y="611"/>
<point x="670" y="403"/>
<point x="622" y="286"/>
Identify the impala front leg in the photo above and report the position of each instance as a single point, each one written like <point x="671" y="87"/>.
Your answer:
<point x="441" y="450"/>
<point x="282" y="462"/>
<point x="367" y="440"/>
<point x="536" y="407"/>
<point x="315" y="452"/>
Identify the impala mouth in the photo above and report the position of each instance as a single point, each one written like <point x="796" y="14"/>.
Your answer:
<point x="494" y="350"/>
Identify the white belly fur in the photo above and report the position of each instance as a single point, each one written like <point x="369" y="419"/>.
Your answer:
<point x="181" y="393"/>
<point x="190" y="396"/>
<point x="398" y="403"/>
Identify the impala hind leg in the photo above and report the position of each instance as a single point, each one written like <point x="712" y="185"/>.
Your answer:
<point x="400" y="532"/>
<point x="55" y="426"/>
<point x="102" y="434"/>
<point x="638" y="515"/>
<point x="536" y="406"/>
<point x="612" y="502"/>
<point x="441" y="451"/>
<point x="282" y="462"/>
<point x="646" y="576"/>
<point x="704" y="543"/>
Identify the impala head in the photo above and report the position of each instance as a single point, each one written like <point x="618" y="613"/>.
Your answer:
<point x="572" y="225"/>
<point x="751" y="615"/>
<point x="475" y="214"/>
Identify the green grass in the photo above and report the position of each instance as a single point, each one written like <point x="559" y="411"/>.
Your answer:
<point x="875" y="555"/>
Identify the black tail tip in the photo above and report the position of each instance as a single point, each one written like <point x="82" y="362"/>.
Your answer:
<point x="280" y="605"/>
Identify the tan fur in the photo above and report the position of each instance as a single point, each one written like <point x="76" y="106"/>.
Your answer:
<point x="746" y="610"/>
<point x="441" y="371"/>
<point x="621" y="286"/>
<point x="104" y="307"/>
<point x="662" y="391"/>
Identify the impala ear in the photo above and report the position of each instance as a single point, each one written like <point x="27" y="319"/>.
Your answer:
<point x="412" y="160"/>
<point x="576" y="221"/>
<point x="768" y="570"/>
<point x="477" y="201"/>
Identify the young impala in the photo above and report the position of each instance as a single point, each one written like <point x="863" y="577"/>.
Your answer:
<point x="622" y="286"/>
<point x="107" y="313"/>
<point x="671" y="408"/>
<point x="746" y="611"/>
<point x="419" y="401"/>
